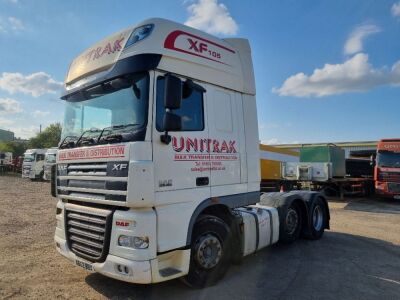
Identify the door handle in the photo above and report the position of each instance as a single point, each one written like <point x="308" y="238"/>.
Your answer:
<point x="202" y="181"/>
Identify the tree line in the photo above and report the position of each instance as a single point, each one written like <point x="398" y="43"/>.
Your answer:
<point x="49" y="137"/>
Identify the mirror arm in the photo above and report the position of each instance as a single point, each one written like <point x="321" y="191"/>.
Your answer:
<point x="195" y="86"/>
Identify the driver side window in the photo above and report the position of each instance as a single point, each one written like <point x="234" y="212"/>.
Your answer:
<point x="191" y="110"/>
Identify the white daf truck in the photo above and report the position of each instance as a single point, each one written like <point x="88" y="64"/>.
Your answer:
<point x="158" y="168"/>
<point x="32" y="165"/>
<point x="5" y="159"/>
<point x="49" y="161"/>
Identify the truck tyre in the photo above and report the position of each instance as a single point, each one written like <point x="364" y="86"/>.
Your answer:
<point x="210" y="252"/>
<point x="290" y="228"/>
<point x="319" y="219"/>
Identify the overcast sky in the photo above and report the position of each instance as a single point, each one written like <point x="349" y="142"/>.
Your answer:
<point x="326" y="71"/>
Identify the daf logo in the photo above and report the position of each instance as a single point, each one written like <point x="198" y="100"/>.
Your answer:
<point x="119" y="167"/>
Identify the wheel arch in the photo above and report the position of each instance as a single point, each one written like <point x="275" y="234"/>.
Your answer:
<point x="221" y="207"/>
<point x="221" y="211"/>
<point x="305" y="199"/>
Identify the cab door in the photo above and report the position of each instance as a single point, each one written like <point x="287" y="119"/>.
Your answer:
<point x="184" y="163"/>
<point x="224" y="122"/>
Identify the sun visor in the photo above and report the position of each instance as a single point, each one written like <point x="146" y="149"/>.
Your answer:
<point x="99" y="57"/>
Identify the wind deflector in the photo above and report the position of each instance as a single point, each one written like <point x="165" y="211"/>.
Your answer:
<point x="132" y="64"/>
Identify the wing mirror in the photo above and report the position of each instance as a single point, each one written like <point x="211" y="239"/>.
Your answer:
<point x="172" y="100"/>
<point x="172" y="92"/>
<point x="372" y="161"/>
<point x="175" y="90"/>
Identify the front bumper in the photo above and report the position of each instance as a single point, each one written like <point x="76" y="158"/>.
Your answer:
<point x="47" y="175"/>
<point x="26" y="173"/>
<point x="140" y="272"/>
<point x="387" y="189"/>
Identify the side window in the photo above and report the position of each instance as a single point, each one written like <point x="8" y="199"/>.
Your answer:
<point x="191" y="111"/>
<point x="39" y="157"/>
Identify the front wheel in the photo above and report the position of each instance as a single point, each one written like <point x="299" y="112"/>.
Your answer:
<point x="210" y="252"/>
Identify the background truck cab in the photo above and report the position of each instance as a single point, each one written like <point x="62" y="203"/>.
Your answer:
<point x="387" y="168"/>
<point x="32" y="166"/>
<point x="49" y="161"/>
<point x="6" y="159"/>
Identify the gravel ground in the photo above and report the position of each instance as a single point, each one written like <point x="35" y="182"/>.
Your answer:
<point x="359" y="258"/>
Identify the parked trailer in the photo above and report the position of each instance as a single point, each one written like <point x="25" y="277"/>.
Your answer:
<point x="323" y="168"/>
<point x="272" y="159"/>
<point x="152" y="188"/>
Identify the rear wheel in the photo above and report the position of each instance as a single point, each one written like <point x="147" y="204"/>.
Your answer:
<point x="319" y="219"/>
<point x="210" y="252"/>
<point x="291" y="226"/>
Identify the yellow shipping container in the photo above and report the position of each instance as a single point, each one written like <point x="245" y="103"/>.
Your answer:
<point x="271" y="161"/>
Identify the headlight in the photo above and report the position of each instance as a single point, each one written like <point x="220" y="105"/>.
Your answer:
<point x="136" y="242"/>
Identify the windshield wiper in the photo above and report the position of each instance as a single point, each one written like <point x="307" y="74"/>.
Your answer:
<point x="112" y="128"/>
<point x="81" y="138"/>
<point x="67" y="143"/>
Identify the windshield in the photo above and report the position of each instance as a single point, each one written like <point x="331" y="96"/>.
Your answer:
<point x="117" y="105"/>
<point x="50" y="158"/>
<point x="388" y="159"/>
<point x="29" y="157"/>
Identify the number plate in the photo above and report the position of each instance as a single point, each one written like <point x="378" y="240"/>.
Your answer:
<point x="396" y="196"/>
<point x="84" y="265"/>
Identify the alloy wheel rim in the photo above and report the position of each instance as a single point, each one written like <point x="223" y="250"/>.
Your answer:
<point x="208" y="251"/>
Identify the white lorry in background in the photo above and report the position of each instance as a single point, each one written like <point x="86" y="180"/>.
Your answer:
<point x="49" y="161"/>
<point x="158" y="168"/>
<point x="32" y="165"/>
<point x="5" y="161"/>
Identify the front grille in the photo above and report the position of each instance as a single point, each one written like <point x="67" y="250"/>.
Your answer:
<point x="394" y="187"/>
<point x="26" y="171"/>
<point x="88" y="233"/>
<point x="98" y="169"/>
<point x="389" y="176"/>
<point x="99" y="182"/>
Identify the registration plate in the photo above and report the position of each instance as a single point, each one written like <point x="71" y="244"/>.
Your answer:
<point x="396" y="196"/>
<point x="84" y="265"/>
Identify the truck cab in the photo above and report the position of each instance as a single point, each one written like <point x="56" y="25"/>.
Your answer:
<point x="159" y="148"/>
<point x="49" y="161"/>
<point x="32" y="165"/>
<point x="387" y="168"/>
<point x="6" y="159"/>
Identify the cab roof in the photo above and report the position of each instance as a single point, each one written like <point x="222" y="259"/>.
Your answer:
<point x="184" y="50"/>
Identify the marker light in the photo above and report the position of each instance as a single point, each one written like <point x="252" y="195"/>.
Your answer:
<point x="136" y="242"/>
<point x="139" y="34"/>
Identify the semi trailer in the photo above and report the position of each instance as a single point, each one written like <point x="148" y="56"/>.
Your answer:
<point x="324" y="168"/>
<point x="272" y="164"/>
<point x="158" y="169"/>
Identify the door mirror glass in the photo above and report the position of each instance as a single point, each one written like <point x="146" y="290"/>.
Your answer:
<point x="372" y="161"/>
<point x="172" y="122"/>
<point x="172" y="92"/>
